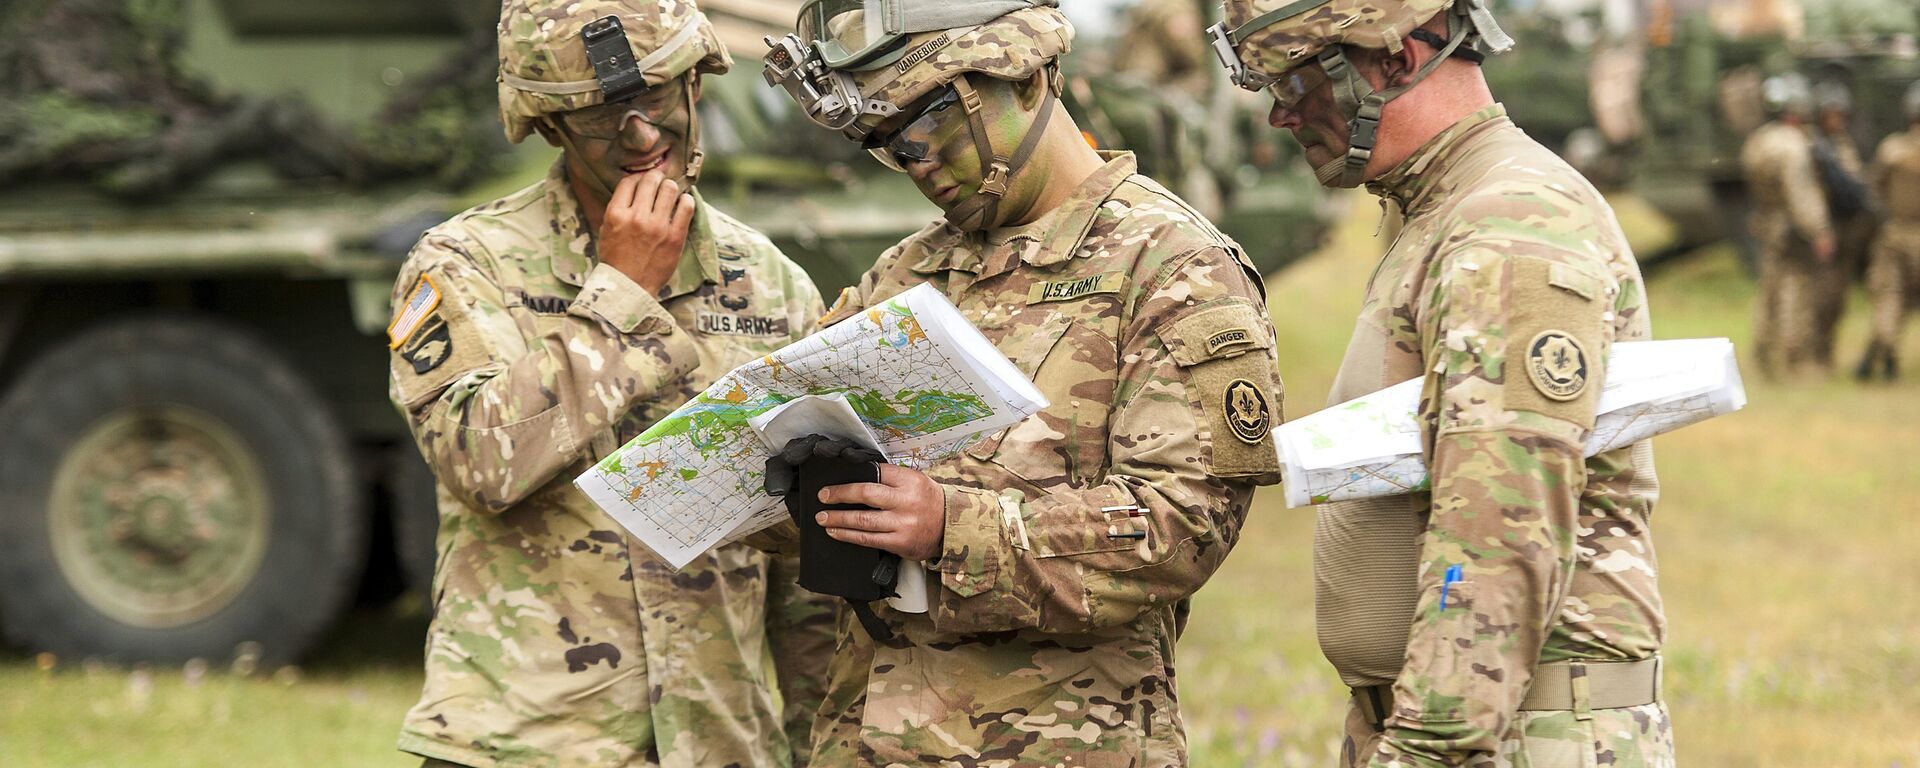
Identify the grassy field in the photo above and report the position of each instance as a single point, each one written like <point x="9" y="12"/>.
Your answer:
<point x="1787" y="537"/>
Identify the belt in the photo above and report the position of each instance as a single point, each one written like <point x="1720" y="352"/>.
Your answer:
<point x="1560" y="686"/>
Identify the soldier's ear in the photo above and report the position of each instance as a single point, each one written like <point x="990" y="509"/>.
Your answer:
<point x="1397" y="69"/>
<point x="1029" y="91"/>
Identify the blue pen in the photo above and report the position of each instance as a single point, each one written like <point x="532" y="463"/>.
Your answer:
<point x="1453" y="575"/>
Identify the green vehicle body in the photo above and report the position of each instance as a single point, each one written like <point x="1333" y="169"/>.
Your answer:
<point x="202" y="460"/>
<point x="1682" y="165"/>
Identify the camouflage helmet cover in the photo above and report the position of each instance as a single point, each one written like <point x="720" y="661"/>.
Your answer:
<point x="1911" y="101"/>
<point x="1294" y="39"/>
<point x="1789" y="93"/>
<point x="544" y="67"/>
<point x="1011" y="47"/>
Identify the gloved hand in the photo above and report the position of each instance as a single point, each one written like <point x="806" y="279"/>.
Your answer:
<point x="829" y="566"/>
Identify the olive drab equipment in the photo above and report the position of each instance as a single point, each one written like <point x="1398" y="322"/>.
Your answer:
<point x="1258" y="47"/>
<point x="601" y="52"/>
<point x="852" y="64"/>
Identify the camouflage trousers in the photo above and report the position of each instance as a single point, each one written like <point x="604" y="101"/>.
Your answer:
<point x="1627" y="737"/>
<point x="1853" y="238"/>
<point x="1786" y="306"/>
<point x="1893" y="279"/>
<point x="802" y="629"/>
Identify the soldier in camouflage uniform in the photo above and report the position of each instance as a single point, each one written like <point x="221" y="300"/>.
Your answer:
<point x="540" y="331"/>
<point x="1893" y="268"/>
<point x="1063" y="551"/>
<point x="1795" y="232"/>
<point x="1510" y="613"/>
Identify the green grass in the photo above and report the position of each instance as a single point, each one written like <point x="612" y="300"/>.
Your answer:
<point x="1787" y="540"/>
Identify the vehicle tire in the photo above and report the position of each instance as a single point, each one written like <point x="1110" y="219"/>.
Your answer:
<point x="416" y="517"/>
<point x="171" y="489"/>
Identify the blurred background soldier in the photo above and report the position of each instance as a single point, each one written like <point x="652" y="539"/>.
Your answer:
<point x="1162" y="42"/>
<point x="1791" y="222"/>
<point x="538" y="332"/>
<point x="1514" y="608"/>
<point x="1849" y="208"/>
<point x="1893" y="272"/>
<point x="1063" y="550"/>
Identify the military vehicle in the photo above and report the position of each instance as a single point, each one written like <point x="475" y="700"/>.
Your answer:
<point x="201" y="215"/>
<point x="1656" y="110"/>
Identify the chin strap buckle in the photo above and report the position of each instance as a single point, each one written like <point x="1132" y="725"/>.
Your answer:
<point x="998" y="174"/>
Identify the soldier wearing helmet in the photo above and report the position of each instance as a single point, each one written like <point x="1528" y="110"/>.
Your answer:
<point x="1794" y="226"/>
<point x="1062" y="551"/>
<point x="1893" y="265"/>
<point x="1511" y="607"/>
<point x="1849" y="208"/>
<point x="540" y="331"/>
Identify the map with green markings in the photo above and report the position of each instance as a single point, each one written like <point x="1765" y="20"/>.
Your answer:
<point x="922" y="382"/>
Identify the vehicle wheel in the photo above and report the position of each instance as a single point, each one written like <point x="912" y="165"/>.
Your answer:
<point x="416" y="517"/>
<point x="172" y="490"/>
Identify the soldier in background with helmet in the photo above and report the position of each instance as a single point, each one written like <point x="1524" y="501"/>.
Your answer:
<point x="1792" y="224"/>
<point x="1064" y="550"/>
<point x="1513" y="608"/>
<point x="540" y="331"/>
<point x="1848" y="207"/>
<point x="1893" y="267"/>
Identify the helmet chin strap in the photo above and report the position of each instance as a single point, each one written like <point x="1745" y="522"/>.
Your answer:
<point x="1361" y="105"/>
<point x="983" y="210"/>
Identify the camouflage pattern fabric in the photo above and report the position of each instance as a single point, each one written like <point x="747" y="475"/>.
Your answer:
<point x="1298" y="39"/>
<point x="517" y="361"/>
<point x="540" y="41"/>
<point x="1011" y="47"/>
<point x="802" y="628"/>
<point x="1790" y="213"/>
<point x="1893" y="268"/>
<point x="1073" y="539"/>
<point x="1504" y="291"/>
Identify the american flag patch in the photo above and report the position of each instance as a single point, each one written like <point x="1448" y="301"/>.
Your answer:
<point x="419" y="307"/>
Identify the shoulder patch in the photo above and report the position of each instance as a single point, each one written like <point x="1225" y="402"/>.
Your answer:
<point x="1248" y="415"/>
<point x="1557" y="364"/>
<point x="414" y="313"/>
<point x="432" y="349"/>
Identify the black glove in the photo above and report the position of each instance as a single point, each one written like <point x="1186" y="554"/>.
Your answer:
<point x="856" y="573"/>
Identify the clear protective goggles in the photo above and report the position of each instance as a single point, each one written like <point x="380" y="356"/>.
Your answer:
<point x="847" y="34"/>
<point x="915" y="140"/>
<point x="606" y="121"/>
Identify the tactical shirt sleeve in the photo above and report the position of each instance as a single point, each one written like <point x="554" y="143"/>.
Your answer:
<point x="499" y="412"/>
<point x="1195" y="365"/>
<point x="1516" y="345"/>
<point x="1806" y="201"/>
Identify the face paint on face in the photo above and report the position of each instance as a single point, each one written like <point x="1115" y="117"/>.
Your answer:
<point x="650" y="133"/>
<point x="1311" y="114"/>
<point x="951" y="173"/>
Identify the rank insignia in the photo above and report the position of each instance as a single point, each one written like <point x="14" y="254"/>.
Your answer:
<point x="1247" y="412"/>
<point x="1557" y="365"/>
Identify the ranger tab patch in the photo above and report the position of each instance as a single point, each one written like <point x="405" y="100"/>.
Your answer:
<point x="1227" y="338"/>
<point x="420" y="305"/>
<point x="1076" y="287"/>
<point x="1247" y="412"/>
<point x="1557" y="365"/>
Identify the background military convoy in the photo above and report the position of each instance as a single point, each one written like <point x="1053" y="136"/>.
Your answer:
<point x="200" y="454"/>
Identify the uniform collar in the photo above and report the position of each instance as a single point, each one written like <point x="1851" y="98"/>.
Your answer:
<point x="574" y="252"/>
<point x="1409" y="185"/>
<point x="1045" y="241"/>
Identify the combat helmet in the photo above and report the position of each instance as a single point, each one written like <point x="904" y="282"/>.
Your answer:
<point x="852" y="64"/>
<point x="1788" y="93"/>
<point x="1261" y="40"/>
<point x="562" y="55"/>
<point x="1831" y="96"/>
<point x="1911" y="102"/>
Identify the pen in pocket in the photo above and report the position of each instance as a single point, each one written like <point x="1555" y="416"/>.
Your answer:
<point x="1453" y="575"/>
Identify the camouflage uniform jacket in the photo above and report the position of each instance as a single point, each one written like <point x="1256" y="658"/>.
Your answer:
<point x="1895" y="176"/>
<point x="1504" y="291"/>
<point x="1074" y="538"/>
<point x="556" y="640"/>
<point x="1778" y="162"/>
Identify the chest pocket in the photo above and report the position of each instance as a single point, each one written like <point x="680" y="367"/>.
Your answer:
<point x="1073" y="359"/>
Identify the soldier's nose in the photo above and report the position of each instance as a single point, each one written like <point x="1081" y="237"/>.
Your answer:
<point x="1283" y="118"/>
<point x="638" y="134"/>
